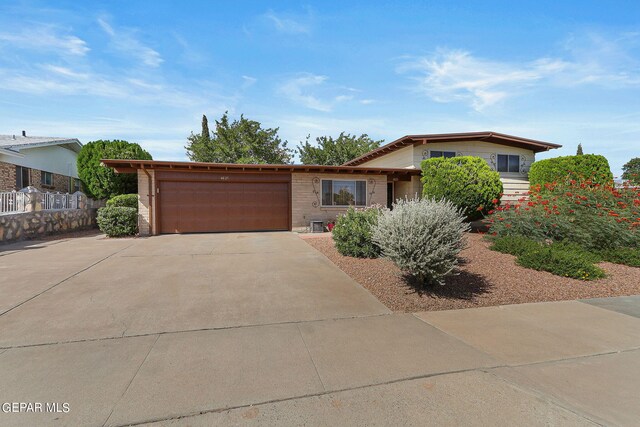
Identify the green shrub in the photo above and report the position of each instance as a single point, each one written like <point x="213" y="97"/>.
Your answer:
<point x="117" y="221"/>
<point x="423" y="237"/>
<point x="594" y="217"/>
<point x="352" y="233"/>
<point x="467" y="181"/>
<point x="100" y="181"/>
<point x="626" y="256"/>
<point x="125" y="200"/>
<point x="588" y="167"/>
<point x="514" y="245"/>
<point x="561" y="261"/>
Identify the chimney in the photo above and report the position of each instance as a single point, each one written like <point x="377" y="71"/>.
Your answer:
<point x="14" y="137"/>
<point x="24" y="133"/>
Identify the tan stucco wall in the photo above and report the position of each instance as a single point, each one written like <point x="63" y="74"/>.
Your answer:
<point x="306" y="204"/>
<point x="412" y="157"/>
<point x="144" y="203"/>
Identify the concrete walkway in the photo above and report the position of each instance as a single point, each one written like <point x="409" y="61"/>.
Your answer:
<point x="260" y="329"/>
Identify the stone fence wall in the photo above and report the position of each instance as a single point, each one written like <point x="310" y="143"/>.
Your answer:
<point x="38" y="220"/>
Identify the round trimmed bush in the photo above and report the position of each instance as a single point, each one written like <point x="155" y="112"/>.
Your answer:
<point x="587" y="167"/>
<point x="466" y="181"/>
<point x="352" y="233"/>
<point x="118" y="221"/>
<point x="423" y="237"/>
<point x="125" y="200"/>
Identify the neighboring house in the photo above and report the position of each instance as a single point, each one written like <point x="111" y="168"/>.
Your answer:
<point x="49" y="164"/>
<point x="184" y="197"/>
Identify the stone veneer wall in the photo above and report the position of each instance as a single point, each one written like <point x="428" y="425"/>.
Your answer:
<point x="306" y="204"/>
<point x="27" y="225"/>
<point x="7" y="176"/>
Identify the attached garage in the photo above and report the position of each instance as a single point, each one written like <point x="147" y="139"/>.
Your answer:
<point x="189" y="197"/>
<point x="214" y="202"/>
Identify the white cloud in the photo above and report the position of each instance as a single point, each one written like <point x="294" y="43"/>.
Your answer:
<point x="287" y="25"/>
<point x="313" y="91"/>
<point x="457" y="75"/>
<point x="298" y="89"/>
<point x="248" y="81"/>
<point x="46" y="38"/>
<point x="454" y="75"/>
<point x="124" y="41"/>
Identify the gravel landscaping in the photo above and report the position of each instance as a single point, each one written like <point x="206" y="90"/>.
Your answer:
<point x="486" y="278"/>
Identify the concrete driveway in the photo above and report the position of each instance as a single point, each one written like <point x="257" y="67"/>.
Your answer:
<point x="259" y="328"/>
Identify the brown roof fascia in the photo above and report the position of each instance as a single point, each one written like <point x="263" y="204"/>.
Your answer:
<point x="131" y="166"/>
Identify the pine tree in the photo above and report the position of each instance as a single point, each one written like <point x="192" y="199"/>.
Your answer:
<point x="579" y="152"/>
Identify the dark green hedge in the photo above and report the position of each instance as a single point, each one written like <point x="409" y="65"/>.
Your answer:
<point x="352" y="233"/>
<point x="592" y="167"/>
<point x="467" y="181"/>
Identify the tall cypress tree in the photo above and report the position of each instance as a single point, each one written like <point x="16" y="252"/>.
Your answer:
<point x="205" y="129"/>
<point x="579" y="152"/>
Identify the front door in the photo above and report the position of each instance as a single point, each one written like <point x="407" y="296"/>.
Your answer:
<point x="389" y="195"/>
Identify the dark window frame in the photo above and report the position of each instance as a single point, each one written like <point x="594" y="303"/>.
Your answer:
<point x="441" y="153"/>
<point x="43" y="178"/>
<point x="512" y="160"/>
<point x="21" y="173"/>
<point x="357" y="196"/>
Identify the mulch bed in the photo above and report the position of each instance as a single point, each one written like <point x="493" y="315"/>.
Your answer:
<point x="486" y="278"/>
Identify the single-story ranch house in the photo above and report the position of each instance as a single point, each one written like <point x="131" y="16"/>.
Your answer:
<point x="47" y="163"/>
<point x="184" y="197"/>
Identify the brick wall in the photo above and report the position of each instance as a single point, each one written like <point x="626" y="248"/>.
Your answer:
<point x="145" y="227"/>
<point x="303" y="197"/>
<point x="8" y="180"/>
<point x="7" y="177"/>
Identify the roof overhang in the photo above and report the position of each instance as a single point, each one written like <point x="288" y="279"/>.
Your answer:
<point x="9" y="152"/>
<point x="131" y="166"/>
<point x="493" y="137"/>
<point x="72" y="144"/>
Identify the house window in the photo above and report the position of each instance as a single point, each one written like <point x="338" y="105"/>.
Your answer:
<point x="74" y="185"/>
<point x="344" y="193"/>
<point x="22" y="177"/>
<point x="446" y="154"/>
<point x="508" y="163"/>
<point x="46" y="178"/>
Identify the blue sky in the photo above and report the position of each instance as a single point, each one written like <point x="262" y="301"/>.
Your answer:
<point x="146" y="71"/>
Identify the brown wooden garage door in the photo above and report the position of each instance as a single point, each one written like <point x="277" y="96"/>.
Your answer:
<point x="209" y="206"/>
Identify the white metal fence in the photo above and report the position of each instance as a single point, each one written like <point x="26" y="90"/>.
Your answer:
<point x="59" y="201"/>
<point x="13" y="201"/>
<point x="17" y="201"/>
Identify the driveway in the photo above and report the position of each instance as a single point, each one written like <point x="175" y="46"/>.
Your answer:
<point x="259" y="328"/>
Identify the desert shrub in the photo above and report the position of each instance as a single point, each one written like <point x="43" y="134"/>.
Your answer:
<point x="626" y="256"/>
<point x="561" y="261"/>
<point x="117" y="221"/>
<point x="352" y="232"/>
<point x="126" y="200"/>
<point x="423" y="237"/>
<point x="467" y="181"/>
<point x="592" y="216"/>
<point x="514" y="245"/>
<point x="588" y="167"/>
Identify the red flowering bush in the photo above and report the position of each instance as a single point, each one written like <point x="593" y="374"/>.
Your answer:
<point x="592" y="215"/>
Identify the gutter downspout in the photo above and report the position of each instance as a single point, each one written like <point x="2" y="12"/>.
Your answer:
<point x="151" y="203"/>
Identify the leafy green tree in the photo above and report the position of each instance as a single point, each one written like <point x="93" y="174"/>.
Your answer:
<point x="631" y="171"/>
<point x="579" y="152"/>
<point x="334" y="152"/>
<point x="240" y="141"/>
<point x="100" y="181"/>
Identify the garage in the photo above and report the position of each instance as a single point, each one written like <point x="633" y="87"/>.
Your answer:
<point x="197" y="203"/>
